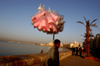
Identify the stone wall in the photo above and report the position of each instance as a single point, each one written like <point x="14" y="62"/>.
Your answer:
<point x="29" y="60"/>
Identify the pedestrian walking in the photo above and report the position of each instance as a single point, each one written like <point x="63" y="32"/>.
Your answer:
<point x="41" y="51"/>
<point x="76" y="51"/>
<point x="80" y="50"/>
<point x="53" y="54"/>
<point x="73" y="50"/>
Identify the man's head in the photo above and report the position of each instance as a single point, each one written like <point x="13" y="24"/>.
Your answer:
<point x="57" y="43"/>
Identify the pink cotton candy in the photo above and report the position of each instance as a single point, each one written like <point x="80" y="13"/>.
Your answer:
<point x="40" y="27"/>
<point x="36" y="24"/>
<point x="54" y="16"/>
<point x="54" y="29"/>
<point x="37" y="16"/>
<point x="43" y="22"/>
<point x="50" y="19"/>
<point x="43" y="13"/>
<point x="50" y="26"/>
<point x="33" y="19"/>
<point x="44" y="29"/>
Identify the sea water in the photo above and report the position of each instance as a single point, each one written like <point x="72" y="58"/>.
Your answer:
<point x="7" y="48"/>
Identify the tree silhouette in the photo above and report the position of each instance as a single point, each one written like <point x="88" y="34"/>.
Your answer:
<point x="88" y="30"/>
<point x="91" y="35"/>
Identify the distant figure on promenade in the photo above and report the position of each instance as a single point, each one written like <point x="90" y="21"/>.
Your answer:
<point x="73" y="50"/>
<point x="76" y="51"/>
<point x="41" y="51"/>
<point x="80" y="50"/>
<point x="53" y="54"/>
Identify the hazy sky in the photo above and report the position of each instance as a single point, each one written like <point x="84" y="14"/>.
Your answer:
<point x="15" y="19"/>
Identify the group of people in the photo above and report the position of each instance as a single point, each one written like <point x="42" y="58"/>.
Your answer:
<point x="75" y="50"/>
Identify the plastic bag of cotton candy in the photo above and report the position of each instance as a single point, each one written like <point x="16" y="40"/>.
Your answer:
<point x="48" y="21"/>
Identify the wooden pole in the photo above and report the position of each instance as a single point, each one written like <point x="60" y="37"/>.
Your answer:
<point x="53" y="38"/>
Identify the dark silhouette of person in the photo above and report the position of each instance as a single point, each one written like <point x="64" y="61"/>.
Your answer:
<point x="53" y="54"/>
<point x="73" y="50"/>
<point x="80" y="50"/>
<point x="76" y="51"/>
<point x="41" y="51"/>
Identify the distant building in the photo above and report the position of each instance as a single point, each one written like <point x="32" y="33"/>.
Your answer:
<point x="92" y="42"/>
<point x="50" y="44"/>
<point x="73" y="44"/>
<point x="97" y="42"/>
<point x="61" y="45"/>
<point x="42" y="44"/>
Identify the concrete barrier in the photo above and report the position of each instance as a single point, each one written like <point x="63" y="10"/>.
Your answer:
<point x="29" y="60"/>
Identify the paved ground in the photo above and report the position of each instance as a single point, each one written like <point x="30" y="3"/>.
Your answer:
<point x="78" y="61"/>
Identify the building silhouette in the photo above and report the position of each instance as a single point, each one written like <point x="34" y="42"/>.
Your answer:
<point x="95" y="42"/>
<point x="95" y="45"/>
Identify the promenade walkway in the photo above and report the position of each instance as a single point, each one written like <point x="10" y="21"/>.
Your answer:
<point x="78" y="61"/>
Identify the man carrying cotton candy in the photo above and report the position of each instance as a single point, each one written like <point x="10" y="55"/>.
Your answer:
<point x="49" y="22"/>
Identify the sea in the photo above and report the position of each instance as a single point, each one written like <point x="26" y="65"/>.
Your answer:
<point x="8" y="48"/>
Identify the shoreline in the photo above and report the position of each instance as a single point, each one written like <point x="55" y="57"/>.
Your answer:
<point x="5" y="52"/>
<point x="31" y="44"/>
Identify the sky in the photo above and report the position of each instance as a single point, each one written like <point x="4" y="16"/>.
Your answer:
<point x="15" y="20"/>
